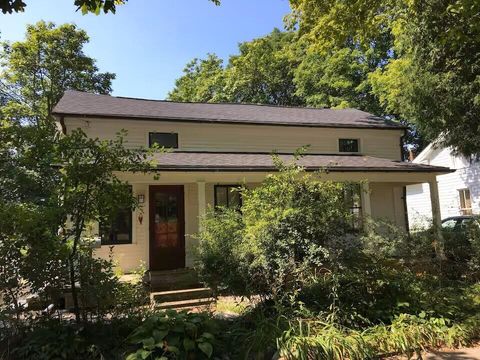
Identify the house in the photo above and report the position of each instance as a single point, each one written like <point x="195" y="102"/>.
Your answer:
<point x="459" y="191"/>
<point x="217" y="146"/>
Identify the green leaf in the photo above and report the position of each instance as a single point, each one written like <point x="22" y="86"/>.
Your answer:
<point x="173" y="349"/>
<point x="133" y="356"/>
<point x="208" y="335"/>
<point x="206" y="348"/>
<point x="145" y="353"/>
<point x="159" y="335"/>
<point x="188" y="344"/>
<point x="149" y="343"/>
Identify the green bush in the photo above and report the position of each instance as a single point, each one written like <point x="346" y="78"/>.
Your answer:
<point x="174" y="335"/>
<point x="290" y="226"/>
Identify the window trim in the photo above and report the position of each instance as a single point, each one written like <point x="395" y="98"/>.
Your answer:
<point x="461" y="195"/>
<point x="349" y="152"/>
<point x="225" y="186"/>
<point x="351" y="208"/>
<point x="123" y="242"/>
<point x="150" y="133"/>
<point x="130" y="233"/>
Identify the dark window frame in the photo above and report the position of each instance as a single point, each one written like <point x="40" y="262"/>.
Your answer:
<point x="357" y="146"/>
<point x="228" y="186"/>
<point x="150" y="143"/>
<point x="109" y="241"/>
<point x="354" y="189"/>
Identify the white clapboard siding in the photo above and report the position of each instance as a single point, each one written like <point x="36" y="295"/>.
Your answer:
<point x="231" y="137"/>
<point x="467" y="175"/>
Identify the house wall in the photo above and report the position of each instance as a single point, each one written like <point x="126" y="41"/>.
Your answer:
<point x="467" y="175"/>
<point x="386" y="203"/>
<point x="247" y="138"/>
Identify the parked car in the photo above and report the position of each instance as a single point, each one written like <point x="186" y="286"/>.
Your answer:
<point x="457" y="223"/>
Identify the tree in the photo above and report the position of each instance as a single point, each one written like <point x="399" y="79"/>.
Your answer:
<point x="261" y="73"/>
<point x="203" y="81"/>
<point x="428" y="74"/>
<point x="89" y="190"/>
<point x="86" y="6"/>
<point x="35" y="73"/>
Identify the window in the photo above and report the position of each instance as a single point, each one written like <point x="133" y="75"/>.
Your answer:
<point x="353" y="201"/>
<point x="119" y="230"/>
<point x="348" y="145"/>
<point x="167" y="140"/>
<point x="465" y="202"/>
<point x="227" y="196"/>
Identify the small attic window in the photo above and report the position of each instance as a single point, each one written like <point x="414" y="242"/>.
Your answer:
<point x="348" y="145"/>
<point x="166" y="140"/>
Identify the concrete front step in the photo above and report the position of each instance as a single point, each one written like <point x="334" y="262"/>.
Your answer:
<point x="183" y="294"/>
<point x="172" y="279"/>
<point x="181" y="299"/>
<point x="185" y="304"/>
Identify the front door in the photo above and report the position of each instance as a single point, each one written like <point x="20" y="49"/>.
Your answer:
<point x="167" y="227"/>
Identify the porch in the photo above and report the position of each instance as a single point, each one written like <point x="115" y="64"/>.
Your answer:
<point x="193" y="192"/>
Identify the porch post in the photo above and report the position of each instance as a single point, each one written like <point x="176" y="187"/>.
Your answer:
<point x="365" y="194"/>
<point x="437" y="218"/>
<point x="366" y="204"/>
<point x="202" y="203"/>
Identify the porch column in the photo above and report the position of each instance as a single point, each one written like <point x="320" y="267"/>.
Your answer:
<point x="365" y="194"/>
<point x="437" y="218"/>
<point x="202" y="203"/>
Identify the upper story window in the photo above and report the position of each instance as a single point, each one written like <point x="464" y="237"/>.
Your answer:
<point x="166" y="140"/>
<point x="227" y="196"/>
<point x="465" y="202"/>
<point x="348" y="145"/>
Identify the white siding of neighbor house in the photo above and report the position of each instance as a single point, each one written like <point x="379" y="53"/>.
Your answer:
<point x="467" y="175"/>
<point x="247" y="138"/>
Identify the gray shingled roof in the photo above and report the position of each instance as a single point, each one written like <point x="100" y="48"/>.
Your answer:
<point x="75" y="103"/>
<point x="211" y="161"/>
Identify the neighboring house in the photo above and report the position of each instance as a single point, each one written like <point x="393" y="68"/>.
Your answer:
<point x="216" y="147"/>
<point x="459" y="191"/>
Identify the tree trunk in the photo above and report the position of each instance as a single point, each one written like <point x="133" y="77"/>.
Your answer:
<point x="76" y="308"/>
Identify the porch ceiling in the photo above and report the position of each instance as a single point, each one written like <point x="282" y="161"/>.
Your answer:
<point x="261" y="162"/>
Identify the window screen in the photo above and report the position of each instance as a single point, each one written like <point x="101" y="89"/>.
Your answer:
<point x="227" y="196"/>
<point x="167" y="140"/>
<point x="353" y="201"/>
<point x="348" y="145"/>
<point x="118" y="230"/>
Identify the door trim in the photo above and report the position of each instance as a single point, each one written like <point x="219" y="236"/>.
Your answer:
<point x="178" y="189"/>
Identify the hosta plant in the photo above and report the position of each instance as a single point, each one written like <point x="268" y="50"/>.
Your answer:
<point x="174" y="335"/>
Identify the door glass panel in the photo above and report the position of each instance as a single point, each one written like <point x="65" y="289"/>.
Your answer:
<point x="165" y="220"/>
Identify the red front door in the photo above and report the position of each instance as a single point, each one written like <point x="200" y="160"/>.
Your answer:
<point x="167" y="227"/>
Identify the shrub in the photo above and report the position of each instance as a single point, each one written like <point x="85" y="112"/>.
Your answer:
<point x="172" y="335"/>
<point x="288" y="227"/>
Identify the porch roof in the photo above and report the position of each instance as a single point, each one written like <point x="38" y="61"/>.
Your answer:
<point x="236" y="161"/>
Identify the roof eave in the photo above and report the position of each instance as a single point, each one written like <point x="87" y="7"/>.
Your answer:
<point x="216" y="168"/>
<point x="231" y="122"/>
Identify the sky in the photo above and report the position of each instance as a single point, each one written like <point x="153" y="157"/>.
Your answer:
<point x="148" y="42"/>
